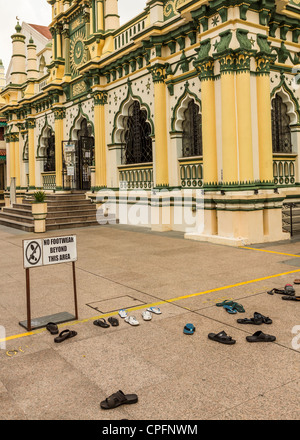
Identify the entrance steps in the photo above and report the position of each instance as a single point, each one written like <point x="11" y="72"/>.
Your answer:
<point x="64" y="211"/>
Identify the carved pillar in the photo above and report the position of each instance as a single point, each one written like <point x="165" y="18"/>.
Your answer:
<point x="59" y="115"/>
<point x="160" y="120"/>
<point x="100" y="99"/>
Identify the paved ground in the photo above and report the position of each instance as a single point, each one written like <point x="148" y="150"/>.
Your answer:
<point x="176" y="377"/>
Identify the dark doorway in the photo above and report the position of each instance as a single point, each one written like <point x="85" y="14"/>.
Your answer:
<point x="50" y="154"/>
<point x="85" y="157"/>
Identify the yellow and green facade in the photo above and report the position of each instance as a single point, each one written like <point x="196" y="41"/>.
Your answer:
<point x="189" y="95"/>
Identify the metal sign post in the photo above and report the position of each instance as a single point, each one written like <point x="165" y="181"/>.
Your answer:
<point x="45" y="252"/>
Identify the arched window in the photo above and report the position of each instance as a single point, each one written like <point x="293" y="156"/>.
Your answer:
<point x="136" y="136"/>
<point x="281" y="132"/>
<point x="42" y="65"/>
<point x="50" y="154"/>
<point x="192" y="131"/>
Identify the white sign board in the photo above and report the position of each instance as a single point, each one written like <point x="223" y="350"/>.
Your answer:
<point x="69" y="148"/>
<point x="70" y="171"/>
<point x="32" y="253"/>
<point x="59" y="250"/>
<point x="52" y="250"/>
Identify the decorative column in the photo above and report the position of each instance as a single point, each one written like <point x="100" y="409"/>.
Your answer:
<point x="160" y="121"/>
<point x="11" y="157"/>
<point x="264" y="123"/>
<point x="229" y="132"/>
<point x="30" y="124"/>
<point x="66" y="35"/>
<point x="205" y="68"/>
<point x="100" y="99"/>
<point x="59" y="115"/>
<point x="17" y="159"/>
<point x="18" y="67"/>
<point x="243" y="97"/>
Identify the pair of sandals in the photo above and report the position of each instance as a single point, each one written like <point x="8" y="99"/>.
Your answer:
<point x="223" y="338"/>
<point x="231" y="307"/>
<point x="257" y="319"/>
<point x="65" y="334"/>
<point x="146" y="314"/>
<point x="288" y="291"/>
<point x="101" y="322"/>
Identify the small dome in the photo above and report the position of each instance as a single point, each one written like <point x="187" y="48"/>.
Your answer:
<point x="18" y="28"/>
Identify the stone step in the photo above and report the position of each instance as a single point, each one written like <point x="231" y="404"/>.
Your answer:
<point x="71" y="213"/>
<point x="56" y="202"/>
<point x="17" y="211"/>
<point x="23" y="206"/>
<point x="16" y="217"/>
<point x="70" y="219"/>
<point x="16" y="225"/>
<point x="73" y="225"/>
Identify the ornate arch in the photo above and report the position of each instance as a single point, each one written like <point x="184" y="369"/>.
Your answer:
<point x="46" y="131"/>
<point x="181" y="107"/>
<point x="77" y="124"/>
<point x="122" y="114"/>
<point x="289" y="100"/>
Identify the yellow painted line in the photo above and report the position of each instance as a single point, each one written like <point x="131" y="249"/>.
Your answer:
<point x="271" y="252"/>
<point x="179" y="298"/>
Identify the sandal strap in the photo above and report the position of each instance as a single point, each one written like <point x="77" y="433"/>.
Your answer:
<point x="117" y="397"/>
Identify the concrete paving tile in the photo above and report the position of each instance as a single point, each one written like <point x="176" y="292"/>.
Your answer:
<point x="111" y="365"/>
<point x="10" y="410"/>
<point x="279" y="404"/>
<point x="172" y="400"/>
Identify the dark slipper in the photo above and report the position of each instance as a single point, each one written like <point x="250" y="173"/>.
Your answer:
<point x="117" y="399"/>
<point x="52" y="328"/>
<point x="253" y="321"/>
<point x="265" y="319"/>
<point x="288" y="290"/>
<point x="65" y="334"/>
<point x="297" y="281"/>
<point x="260" y="337"/>
<point x="221" y="337"/>
<point x="113" y="321"/>
<point x="101" y="323"/>
<point x="291" y="298"/>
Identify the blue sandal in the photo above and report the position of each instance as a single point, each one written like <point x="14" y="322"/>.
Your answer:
<point x="230" y="309"/>
<point x="189" y="329"/>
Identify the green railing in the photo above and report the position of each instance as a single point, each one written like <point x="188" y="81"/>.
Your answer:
<point x="139" y="176"/>
<point x="49" y="180"/>
<point x="284" y="168"/>
<point x="191" y="172"/>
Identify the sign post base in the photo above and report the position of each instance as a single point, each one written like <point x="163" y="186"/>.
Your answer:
<point x="57" y="318"/>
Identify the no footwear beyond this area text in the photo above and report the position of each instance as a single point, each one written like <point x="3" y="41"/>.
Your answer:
<point x="53" y="250"/>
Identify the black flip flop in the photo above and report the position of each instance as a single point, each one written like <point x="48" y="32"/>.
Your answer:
<point x="260" y="337"/>
<point x="113" y="321"/>
<point x="117" y="399"/>
<point x="253" y="321"/>
<point x="221" y="337"/>
<point x="265" y="319"/>
<point x="52" y="328"/>
<point x="65" y="334"/>
<point x="291" y="298"/>
<point x="101" y="323"/>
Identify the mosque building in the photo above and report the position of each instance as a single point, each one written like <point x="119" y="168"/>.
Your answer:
<point x="189" y="97"/>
